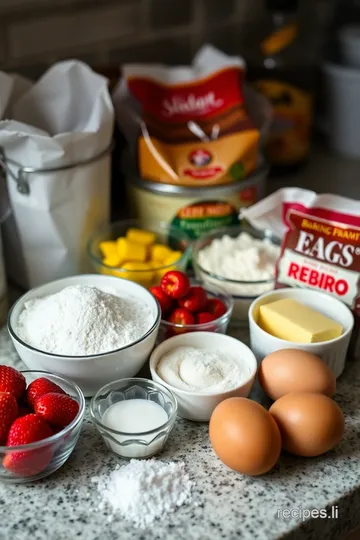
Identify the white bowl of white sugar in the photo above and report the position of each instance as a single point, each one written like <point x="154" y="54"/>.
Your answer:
<point x="202" y="369"/>
<point x="239" y="259"/>
<point x="91" y="329"/>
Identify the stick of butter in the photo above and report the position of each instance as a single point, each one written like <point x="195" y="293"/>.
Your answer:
<point x="290" y="320"/>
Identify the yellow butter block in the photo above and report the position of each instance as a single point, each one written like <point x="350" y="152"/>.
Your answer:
<point x="130" y="251"/>
<point x="139" y="236"/>
<point x="138" y="271"/>
<point x="159" y="252"/>
<point x="112" y="260"/>
<point x="108" y="248"/>
<point x="292" y="321"/>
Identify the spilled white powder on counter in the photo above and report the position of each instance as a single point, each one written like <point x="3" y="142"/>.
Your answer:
<point x="145" y="490"/>
<point x="82" y="320"/>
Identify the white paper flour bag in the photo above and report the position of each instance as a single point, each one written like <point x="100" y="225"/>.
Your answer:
<point x="56" y="145"/>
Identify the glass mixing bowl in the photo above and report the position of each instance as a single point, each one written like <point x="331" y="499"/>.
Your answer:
<point x="243" y="292"/>
<point x="134" y="445"/>
<point x="174" y="239"/>
<point x="42" y="458"/>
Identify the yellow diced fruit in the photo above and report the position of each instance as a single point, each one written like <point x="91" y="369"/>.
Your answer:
<point x="130" y="251"/>
<point x="140" y="272"/>
<point x="161" y="273"/>
<point x="108" y="249"/>
<point x="139" y="236"/>
<point x="158" y="274"/>
<point x="155" y="264"/>
<point x="112" y="260"/>
<point x="171" y="260"/>
<point x="105" y="271"/>
<point x="159" y="252"/>
<point x="173" y="257"/>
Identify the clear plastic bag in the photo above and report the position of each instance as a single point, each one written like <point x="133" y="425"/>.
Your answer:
<point x="195" y="125"/>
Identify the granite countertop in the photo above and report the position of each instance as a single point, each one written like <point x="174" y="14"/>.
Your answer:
<point x="66" y="505"/>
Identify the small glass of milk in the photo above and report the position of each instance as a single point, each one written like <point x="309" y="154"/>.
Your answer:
<point x="134" y="416"/>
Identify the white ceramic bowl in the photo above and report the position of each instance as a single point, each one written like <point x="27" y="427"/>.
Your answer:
<point x="199" y="406"/>
<point x="90" y="372"/>
<point x="333" y="352"/>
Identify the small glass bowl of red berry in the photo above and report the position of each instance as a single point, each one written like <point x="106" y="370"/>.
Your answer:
<point x="41" y="415"/>
<point x="189" y="306"/>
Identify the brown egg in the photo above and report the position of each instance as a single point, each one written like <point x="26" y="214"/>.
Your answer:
<point x="310" y="424"/>
<point x="293" y="370"/>
<point x="244" y="436"/>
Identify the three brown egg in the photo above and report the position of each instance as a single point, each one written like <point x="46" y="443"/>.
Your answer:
<point x="303" y="420"/>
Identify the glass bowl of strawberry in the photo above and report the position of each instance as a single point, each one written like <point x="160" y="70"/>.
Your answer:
<point x="41" y="415"/>
<point x="189" y="306"/>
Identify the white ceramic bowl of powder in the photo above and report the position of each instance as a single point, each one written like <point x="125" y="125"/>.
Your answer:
<point x="91" y="329"/>
<point x="189" y="378"/>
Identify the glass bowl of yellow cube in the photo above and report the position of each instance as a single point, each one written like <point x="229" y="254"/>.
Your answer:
<point x="139" y="251"/>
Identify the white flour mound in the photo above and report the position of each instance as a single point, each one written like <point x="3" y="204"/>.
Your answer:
<point x="145" y="490"/>
<point x="82" y="320"/>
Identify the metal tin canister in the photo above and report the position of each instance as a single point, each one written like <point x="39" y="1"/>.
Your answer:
<point x="194" y="210"/>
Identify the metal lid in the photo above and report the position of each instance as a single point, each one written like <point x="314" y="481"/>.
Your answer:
<point x="189" y="191"/>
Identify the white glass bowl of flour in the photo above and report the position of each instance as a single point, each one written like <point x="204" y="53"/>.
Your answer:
<point x="91" y="329"/>
<point x="241" y="261"/>
<point x="202" y="369"/>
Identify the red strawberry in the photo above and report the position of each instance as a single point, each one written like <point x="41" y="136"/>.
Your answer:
<point x="56" y="429"/>
<point x="57" y="409"/>
<point x="8" y="412"/>
<point x="25" y="430"/>
<point x="181" y="316"/>
<point x="12" y="381"/>
<point x="39" y="387"/>
<point x="175" y="284"/>
<point x="194" y="300"/>
<point x="164" y="301"/>
<point x="216" y="307"/>
<point x="23" y="411"/>
<point x="204" y="317"/>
